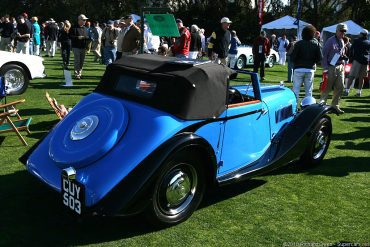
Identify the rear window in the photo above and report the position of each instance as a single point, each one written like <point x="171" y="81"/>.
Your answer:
<point x="135" y="87"/>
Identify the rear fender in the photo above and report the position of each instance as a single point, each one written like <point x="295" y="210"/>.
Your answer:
<point x="131" y="193"/>
<point x="296" y="134"/>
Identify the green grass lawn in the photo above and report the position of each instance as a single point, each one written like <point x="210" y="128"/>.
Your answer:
<point x="326" y="204"/>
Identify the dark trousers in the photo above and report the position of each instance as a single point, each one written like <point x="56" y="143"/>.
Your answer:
<point x="66" y="52"/>
<point x="118" y="55"/>
<point x="259" y="62"/>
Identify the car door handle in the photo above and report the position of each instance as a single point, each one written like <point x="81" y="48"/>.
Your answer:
<point x="264" y="111"/>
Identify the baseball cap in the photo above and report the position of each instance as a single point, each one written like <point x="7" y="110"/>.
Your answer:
<point x="110" y="23"/>
<point x="364" y="32"/>
<point x="225" y="20"/>
<point x="82" y="17"/>
<point x="179" y="21"/>
<point x="342" y="26"/>
<point x="51" y="20"/>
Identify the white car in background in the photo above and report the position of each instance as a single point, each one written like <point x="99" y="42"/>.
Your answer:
<point x="18" y="70"/>
<point x="245" y="57"/>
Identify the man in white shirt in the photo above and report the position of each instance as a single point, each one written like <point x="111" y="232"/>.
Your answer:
<point x="151" y="41"/>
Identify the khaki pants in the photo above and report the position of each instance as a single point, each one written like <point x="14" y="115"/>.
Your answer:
<point x="358" y="71"/>
<point x="96" y="49"/>
<point x="336" y="80"/>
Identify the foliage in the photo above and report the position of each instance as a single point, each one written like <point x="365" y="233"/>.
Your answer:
<point x="323" y="13"/>
<point x="204" y="13"/>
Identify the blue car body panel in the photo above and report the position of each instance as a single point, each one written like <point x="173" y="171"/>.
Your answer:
<point x="131" y="149"/>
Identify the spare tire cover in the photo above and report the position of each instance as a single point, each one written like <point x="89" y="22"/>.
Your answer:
<point x="87" y="133"/>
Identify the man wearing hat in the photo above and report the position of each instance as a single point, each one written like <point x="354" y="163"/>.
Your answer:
<point x="51" y="35"/>
<point x="181" y="46"/>
<point x="109" y="37"/>
<point x="23" y="36"/>
<point x="79" y="37"/>
<point x="360" y="52"/>
<point x="333" y="62"/>
<point x="220" y="41"/>
<point x="131" y="37"/>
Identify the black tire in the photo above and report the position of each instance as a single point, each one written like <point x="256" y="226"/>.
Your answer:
<point x="16" y="78"/>
<point x="318" y="144"/>
<point x="240" y="62"/>
<point x="171" y="205"/>
<point x="271" y="61"/>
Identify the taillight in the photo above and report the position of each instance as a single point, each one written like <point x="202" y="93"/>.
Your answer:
<point x="146" y="87"/>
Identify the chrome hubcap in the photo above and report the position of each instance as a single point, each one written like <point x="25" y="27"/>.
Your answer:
<point x="14" y="80"/>
<point x="84" y="127"/>
<point x="178" y="189"/>
<point x="240" y="63"/>
<point x="320" y="144"/>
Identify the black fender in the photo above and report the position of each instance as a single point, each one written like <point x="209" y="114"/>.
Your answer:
<point x="294" y="137"/>
<point x="132" y="193"/>
<point x="288" y="145"/>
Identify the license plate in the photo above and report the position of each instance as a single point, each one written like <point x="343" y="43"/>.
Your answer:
<point x="73" y="195"/>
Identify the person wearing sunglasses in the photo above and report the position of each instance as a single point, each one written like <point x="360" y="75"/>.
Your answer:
<point x="333" y="63"/>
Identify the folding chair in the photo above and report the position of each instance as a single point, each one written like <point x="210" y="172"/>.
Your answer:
<point x="54" y="104"/>
<point x="7" y="125"/>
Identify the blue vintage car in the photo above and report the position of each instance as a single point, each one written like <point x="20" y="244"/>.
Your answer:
<point x="158" y="131"/>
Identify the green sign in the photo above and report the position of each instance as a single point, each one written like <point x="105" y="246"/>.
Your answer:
<point x="163" y="25"/>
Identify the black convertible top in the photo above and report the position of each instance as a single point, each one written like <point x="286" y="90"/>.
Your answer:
<point x="187" y="89"/>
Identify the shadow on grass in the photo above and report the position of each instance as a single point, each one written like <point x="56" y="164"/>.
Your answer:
<point x="354" y="146"/>
<point x="29" y="207"/>
<point x="36" y="211"/>
<point x="229" y="191"/>
<point x="335" y="167"/>
<point x="360" y="133"/>
<point x="35" y="111"/>
<point x="44" y="125"/>
<point x="57" y="86"/>
<point x="79" y="94"/>
<point x="357" y="119"/>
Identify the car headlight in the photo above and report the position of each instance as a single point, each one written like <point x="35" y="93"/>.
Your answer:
<point x="307" y="101"/>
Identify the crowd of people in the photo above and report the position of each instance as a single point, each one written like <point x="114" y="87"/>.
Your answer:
<point x="111" y="40"/>
<point x="304" y="55"/>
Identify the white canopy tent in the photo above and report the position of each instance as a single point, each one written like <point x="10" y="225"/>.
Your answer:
<point x="353" y="30"/>
<point x="285" y="24"/>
